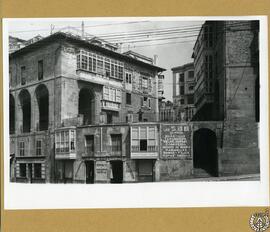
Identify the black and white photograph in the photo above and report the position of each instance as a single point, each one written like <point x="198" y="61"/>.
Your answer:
<point x="126" y="102"/>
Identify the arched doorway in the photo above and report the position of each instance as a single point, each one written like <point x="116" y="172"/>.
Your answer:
<point x="205" y="151"/>
<point x="11" y="114"/>
<point x="25" y="101"/>
<point x="86" y="106"/>
<point x="42" y="95"/>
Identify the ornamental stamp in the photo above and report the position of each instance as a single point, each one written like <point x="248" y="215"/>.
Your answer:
<point x="259" y="221"/>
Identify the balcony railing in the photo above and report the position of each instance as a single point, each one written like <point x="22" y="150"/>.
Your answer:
<point x="149" y="149"/>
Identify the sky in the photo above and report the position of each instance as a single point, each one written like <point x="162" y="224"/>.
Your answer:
<point x="171" y="52"/>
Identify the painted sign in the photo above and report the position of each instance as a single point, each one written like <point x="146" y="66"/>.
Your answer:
<point x="101" y="170"/>
<point x="175" y="141"/>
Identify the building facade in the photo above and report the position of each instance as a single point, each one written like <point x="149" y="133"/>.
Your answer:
<point x="81" y="112"/>
<point x="227" y="89"/>
<point x="61" y="83"/>
<point x="183" y="91"/>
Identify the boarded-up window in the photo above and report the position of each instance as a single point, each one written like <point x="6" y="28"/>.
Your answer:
<point x="23" y="75"/>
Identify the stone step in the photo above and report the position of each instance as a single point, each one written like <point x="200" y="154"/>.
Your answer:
<point x="201" y="173"/>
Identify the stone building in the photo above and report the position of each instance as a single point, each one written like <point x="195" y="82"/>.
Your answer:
<point x="166" y="111"/>
<point x="62" y="89"/>
<point x="81" y="112"/>
<point x="226" y="65"/>
<point x="183" y="91"/>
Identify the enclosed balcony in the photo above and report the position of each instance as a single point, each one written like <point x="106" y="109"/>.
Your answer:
<point x="144" y="142"/>
<point x="65" y="140"/>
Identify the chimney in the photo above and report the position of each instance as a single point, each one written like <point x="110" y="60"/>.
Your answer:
<point x="82" y="29"/>
<point x="120" y="47"/>
<point x="155" y="59"/>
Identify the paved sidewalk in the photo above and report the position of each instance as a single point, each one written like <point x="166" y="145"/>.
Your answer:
<point x="250" y="177"/>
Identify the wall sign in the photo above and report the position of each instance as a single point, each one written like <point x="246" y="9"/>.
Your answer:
<point x="175" y="141"/>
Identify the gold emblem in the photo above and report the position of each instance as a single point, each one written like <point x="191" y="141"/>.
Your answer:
<point x="259" y="221"/>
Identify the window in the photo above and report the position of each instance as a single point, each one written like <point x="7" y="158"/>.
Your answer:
<point x="99" y="64"/>
<point x="65" y="141"/>
<point x="140" y="116"/>
<point x="22" y="170"/>
<point x="118" y="95"/>
<point x="208" y="36"/>
<point x="89" y="143"/>
<point x="72" y="140"/>
<point x="190" y="74"/>
<point x="145" y="83"/>
<point x="112" y="94"/>
<point x="106" y="91"/>
<point x="128" y="78"/>
<point x="190" y="88"/>
<point x="140" y="83"/>
<point x="182" y="101"/>
<point x="23" y="75"/>
<point x="145" y="101"/>
<point x="116" y="142"/>
<point x="209" y="66"/>
<point x="21" y="148"/>
<point x="40" y="69"/>
<point x="38" y="148"/>
<point x="109" y="118"/>
<point x="190" y="100"/>
<point x="128" y="98"/>
<point x="182" y="90"/>
<point x="107" y="66"/>
<point x="182" y="77"/>
<point x="144" y="138"/>
<point x="37" y="170"/>
<point x="84" y="62"/>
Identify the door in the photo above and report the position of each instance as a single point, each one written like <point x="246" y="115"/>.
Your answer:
<point x="89" y="172"/>
<point x="116" y="171"/>
<point x="145" y="170"/>
<point x="30" y="171"/>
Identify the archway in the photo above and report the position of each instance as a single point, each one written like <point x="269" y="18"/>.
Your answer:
<point x="11" y="114"/>
<point x="205" y="151"/>
<point x="86" y="106"/>
<point x="25" y="101"/>
<point x="42" y="95"/>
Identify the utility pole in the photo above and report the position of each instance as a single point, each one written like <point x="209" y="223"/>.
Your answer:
<point x="82" y="29"/>
<point x="52" y="28"/>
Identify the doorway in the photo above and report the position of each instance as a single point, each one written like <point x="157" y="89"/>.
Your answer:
<point x="116" y="171"/>
<point x="145" y="170"/>
<point x="205" y="151"/>
<point x="90" y="172"/>
<point x="30" y="171"/>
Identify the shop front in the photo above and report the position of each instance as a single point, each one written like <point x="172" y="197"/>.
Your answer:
<point x="144" y="150"/>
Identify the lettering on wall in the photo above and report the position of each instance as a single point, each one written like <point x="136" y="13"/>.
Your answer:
<point x="176" y="141"/>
